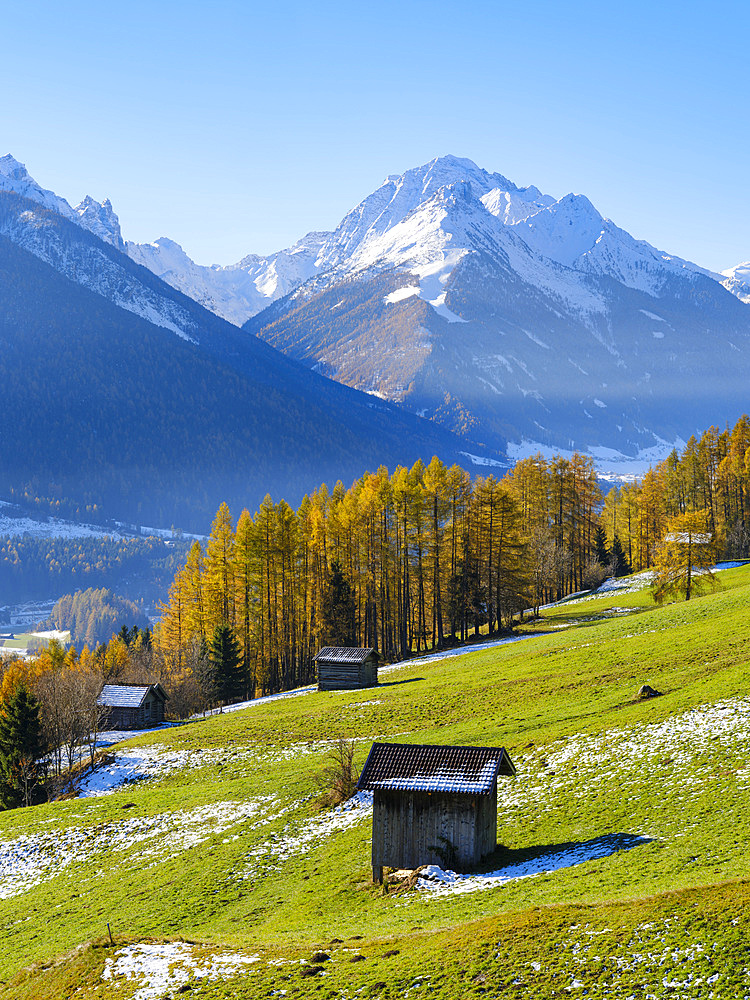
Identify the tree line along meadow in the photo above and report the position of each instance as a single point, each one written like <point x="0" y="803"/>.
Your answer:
<point x="427" y="557"/>
<point x="404" y="562"/>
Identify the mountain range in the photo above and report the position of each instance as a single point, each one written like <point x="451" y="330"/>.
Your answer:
<point x="498" y="312"/>
<point x="123" y="397"/>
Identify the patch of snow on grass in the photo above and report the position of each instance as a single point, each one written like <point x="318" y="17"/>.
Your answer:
<point x="652" y="949"/>
<point x="156" y="968"/>
<point x="630" y="584"/>
<point x="240" y="705"/>
<point x="293" y="841"/>
<point x="34" y="858"/>
<point x="618" y="758"/>
<point x="142" y="763"/>
<point x="619" y="585"/>
<point x="459" y="651"/>
<point x="435" y="881"/>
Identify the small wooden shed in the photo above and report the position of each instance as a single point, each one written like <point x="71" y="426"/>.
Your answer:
<point x="133" y="706"/>
<point x="343" y="667"/>
<point x="433" y="804"/>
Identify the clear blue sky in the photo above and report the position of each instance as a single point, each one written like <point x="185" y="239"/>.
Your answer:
<point x="236" y="127"/>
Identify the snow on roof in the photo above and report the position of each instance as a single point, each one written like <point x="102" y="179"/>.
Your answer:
<point x="344" y="654"/>
<point x="127" y="695"/>
<point x="405" y="767"/>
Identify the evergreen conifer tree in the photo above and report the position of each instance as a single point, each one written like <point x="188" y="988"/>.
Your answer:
<point x="20" y="748"/>
<point x="620" y="565"/>
<point x="602" y="553"/>
<point x="337" y="609"/>
<point x="225" y="656"/>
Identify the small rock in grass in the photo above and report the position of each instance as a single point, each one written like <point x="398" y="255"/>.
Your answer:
<point x="646" y="691"/>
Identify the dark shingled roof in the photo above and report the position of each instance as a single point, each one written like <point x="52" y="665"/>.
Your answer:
<point x="344" y="654"/>
<point x="405" y="767"/>
<point x="127" y="695"/>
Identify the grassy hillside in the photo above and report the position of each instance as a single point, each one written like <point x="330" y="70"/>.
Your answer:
<point x="224" y="847"/>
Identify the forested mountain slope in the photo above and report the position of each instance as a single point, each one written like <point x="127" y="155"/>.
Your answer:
<point x="103" y="407"/>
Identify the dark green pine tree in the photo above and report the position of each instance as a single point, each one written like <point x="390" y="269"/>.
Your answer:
<point x="205" y="671"/>
<point x="602" y="553"/>
<point x="337" y="609"/>
<point x="21" y="746"/>
<point x="225" y="656"/>
<point x="620" y="564"/>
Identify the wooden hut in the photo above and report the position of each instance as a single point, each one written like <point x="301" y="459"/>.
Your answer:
<point x="343" y="667"/>
<point x="433" y="804"/>
<point x="133" y="706"/>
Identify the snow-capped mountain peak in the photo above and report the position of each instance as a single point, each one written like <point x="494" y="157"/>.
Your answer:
<point x="517" y="205"/>
<point x="100" y="219"/>
<point x="97" y="218"/>
<point x="15" y="177"/>
<point x="399" y="195"/>
<point x="564" y="230"/>
<point x="737" y="280"/>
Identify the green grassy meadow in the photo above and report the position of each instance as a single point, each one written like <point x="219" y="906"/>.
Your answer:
<point x="23" y="640"/>
<point x="226" y="848"/>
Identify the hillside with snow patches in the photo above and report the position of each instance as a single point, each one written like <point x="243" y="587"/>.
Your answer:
<point x="622" y="857"/>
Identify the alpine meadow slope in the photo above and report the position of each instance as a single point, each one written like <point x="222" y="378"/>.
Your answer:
<point x="621" y="868"/>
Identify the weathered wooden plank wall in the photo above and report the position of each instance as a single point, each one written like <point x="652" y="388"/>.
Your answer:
<point x="338" y="676"/>
<point x="421" y="828"/>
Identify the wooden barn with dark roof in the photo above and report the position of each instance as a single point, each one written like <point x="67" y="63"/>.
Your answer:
<point x="344" y="667"/>
<point x="133" y="706"/>
<point x="433" y="804"/>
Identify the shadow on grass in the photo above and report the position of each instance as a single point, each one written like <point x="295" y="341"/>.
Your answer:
<point x="610" y="843"/>
<point x="407" y="680"/>
<point x="506" y="865"/>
